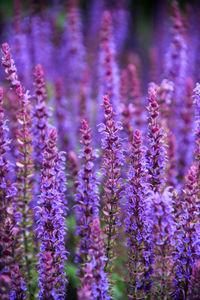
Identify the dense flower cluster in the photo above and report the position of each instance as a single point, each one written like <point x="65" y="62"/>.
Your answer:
<point x="187" y="235"/>
<point x="24" y="163"/>
<point x="156" y="152"/>
<point x="87" y="194"/>
<point x="139" y="239"/>
<point x="95" y="282"/>
<point x="51" y="223"/>
<point x="99" y="200"/>
<point x="40" y="115"/>
<point x="112" y="161"/>
<point x="11" y="280"/>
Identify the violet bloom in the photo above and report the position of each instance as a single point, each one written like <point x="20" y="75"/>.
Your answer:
<point x="87" y="199"/>
<point x="176" y="71"/>
<point x="95" y="282"/>
<point x="11" y="280"/>
<point x="160" y="215"/>
<point x="187" y="249"/>
<point x="112" y="161"/>
<point x="156" y="154"/>
<point x="139" y="241"/>
<point x="164" y="98"/>
<point x="40" y="115"/>
<point x="51" y="223"/>
<point x="24" y="164"/>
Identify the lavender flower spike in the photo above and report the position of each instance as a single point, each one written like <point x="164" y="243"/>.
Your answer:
<point x="187" y="249"/>
<point x="197" y="129"/>
<point x="139" y="241"/>
<point x="11" y="280"/>
<point x="51" y="224"/>
<point x="111" y="164"/>
<point x="87" y="194"/>
<point x="156" y="154"/>
<point x="24" y="162"/>
<point x="40" y="115"/>
<point x="95" y="282"/>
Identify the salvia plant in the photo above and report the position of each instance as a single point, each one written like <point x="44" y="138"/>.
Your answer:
<point x="99" y="150"/>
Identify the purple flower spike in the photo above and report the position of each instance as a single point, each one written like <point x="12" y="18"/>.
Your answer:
<point x="95" y="282"/>
<point x="108" y="69"/>
<point x="112" y="162"/>
<point x="87" y="194"/>
<point x="139" y="241"/>
<point x="24" y="163"/>
<point x="11" y="280"/>
<point x="40" y="115"/>
<point x="197" y="127"/>
<point x="156" y="154"/>
<point x="160" y="214"/>
<point x="51" y="223"/>
<point x="187" y="249"/>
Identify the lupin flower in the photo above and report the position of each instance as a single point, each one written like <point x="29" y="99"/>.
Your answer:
<point x="51" y="223"/>
<point x="156" y="154"/>
<point x="24" y="163"/>
<point x="139" y="240"/>
<point x="40" y="115"/>
<point x="95" y="282"/>
<point x="11" y="280"/>
<point x="87" y="200"/>
<point x="187" y="249"/>
<point x="112" y="161"/>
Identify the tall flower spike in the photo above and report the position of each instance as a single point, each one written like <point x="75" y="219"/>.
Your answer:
<point x="197" y="127"/>
<point x="176" y="71"/>
<point x="11" y="280"/>
<point x="51" y="223"/>
<point x="108" y="69"/>
<point x="95" y="282"/>
<point x="161" y="220"/>
<point x="24" y="164"/>
<point x="187" y="249"/>
<point x="87" y="194"/>
<point x="139" y="241"/>
<point x="40" y="115"/>
<point x="112" y="162"/>
<point x="156" y="154"/>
